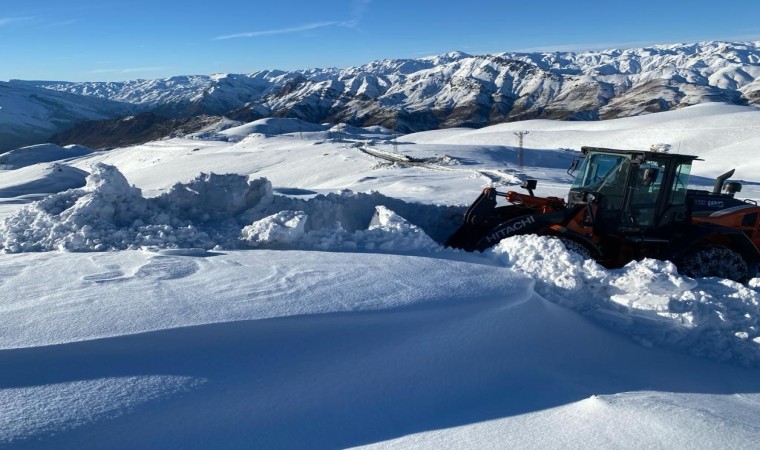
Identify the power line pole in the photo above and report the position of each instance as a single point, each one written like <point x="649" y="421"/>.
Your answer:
<point x="395" y="134"/>
<point x="521" y="154"/>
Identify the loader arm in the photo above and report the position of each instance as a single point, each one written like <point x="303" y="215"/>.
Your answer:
<point x="484" y="216"/>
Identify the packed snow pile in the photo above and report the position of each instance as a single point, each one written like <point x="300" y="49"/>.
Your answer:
<point x="284" y="227"/>
<point x="387" y="231"/>
<point x="647" y="300"/>
<point x="106" y="214"/>
<point x="219" y="211"/>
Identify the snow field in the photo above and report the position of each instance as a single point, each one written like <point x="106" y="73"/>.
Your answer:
<point x="133" y="349"/>
<point x="288" y="293"/>
<point x="236" y="368"/>
<point x="646" y="300"/>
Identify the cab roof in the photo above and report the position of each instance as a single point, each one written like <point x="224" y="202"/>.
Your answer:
<point x="646" y="154"/>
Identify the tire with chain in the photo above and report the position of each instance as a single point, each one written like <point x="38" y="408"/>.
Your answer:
<point x="577" y="248"/>
<point x="715" y="261"/>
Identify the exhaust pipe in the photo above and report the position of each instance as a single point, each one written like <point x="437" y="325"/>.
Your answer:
<point x="722" y="179"/>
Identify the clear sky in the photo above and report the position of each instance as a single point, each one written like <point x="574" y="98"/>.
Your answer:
<point x="105" y="40"/>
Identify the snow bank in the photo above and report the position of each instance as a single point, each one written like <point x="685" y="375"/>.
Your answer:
<point x="647" y="300"/>
<point x="105" y="214"/>
<point x="387" y="231"/>
<point x="219" y="211"/>
<point x="351" y="221"/>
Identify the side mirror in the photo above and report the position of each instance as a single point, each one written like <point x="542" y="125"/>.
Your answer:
<point x="529" y="185"/>
<point x="573" y="166"/>
<point x="650" y="176"/>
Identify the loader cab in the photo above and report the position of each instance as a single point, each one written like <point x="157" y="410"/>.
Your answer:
<point x="632" y="190"/>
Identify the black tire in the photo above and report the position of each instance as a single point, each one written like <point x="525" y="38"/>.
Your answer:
<point x="715" y="261"/>
<point x="577" y="248"/>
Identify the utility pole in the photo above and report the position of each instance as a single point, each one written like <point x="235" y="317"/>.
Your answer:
<point x="521" y="153"/>
<point x="395" y="134"/>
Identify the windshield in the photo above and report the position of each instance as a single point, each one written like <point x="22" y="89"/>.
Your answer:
<point x="598" y="170"/>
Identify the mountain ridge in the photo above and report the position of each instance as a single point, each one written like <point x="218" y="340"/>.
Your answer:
<point x="31" y="115"/>
<point x="457" y="89"/>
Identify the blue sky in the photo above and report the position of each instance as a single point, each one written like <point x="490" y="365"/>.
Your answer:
<point x="104" y="40"/>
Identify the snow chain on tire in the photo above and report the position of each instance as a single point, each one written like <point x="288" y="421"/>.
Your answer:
<point x="577" y="248"/>
<point x="715" y="261"/>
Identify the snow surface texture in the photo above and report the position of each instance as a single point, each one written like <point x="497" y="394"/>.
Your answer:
<point x="365" y="331"/>
<point x="272" y="349"/>
<point x="647" y="300"/>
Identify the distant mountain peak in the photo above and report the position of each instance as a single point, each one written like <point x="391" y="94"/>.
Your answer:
<point x="458" y="89"/>
<point x="447" y="57"/>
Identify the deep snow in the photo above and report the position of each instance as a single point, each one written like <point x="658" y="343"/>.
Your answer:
<point x="258" y="290"/>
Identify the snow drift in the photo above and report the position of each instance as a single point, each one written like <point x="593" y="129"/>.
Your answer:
<point x="34" y="154"/>
<point x="647" y="300"/>
<point x="41" y="179"/>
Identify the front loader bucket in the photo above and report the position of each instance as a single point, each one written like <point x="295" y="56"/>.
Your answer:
<point x="465" y="238"/>
<point x="481" y="218"/>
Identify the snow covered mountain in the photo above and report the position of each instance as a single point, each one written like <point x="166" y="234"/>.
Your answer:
<point x="31" y="115"/>
<point x="458" y="89"/>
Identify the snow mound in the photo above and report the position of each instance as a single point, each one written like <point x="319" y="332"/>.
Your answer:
<point x="348" y="221"/>
<point x="547" y="260"/>
<point x="272" y="126"/>
<point x="647" y="300"/>
<point x="40" y="179"/>
<point x="285" y="227"/>
<point x="214" y="131"/>
<point x="219" y="211"/>
<point x="387" y="231"/>
<point x="34" y="154"/>
<point x="106" y="214"/>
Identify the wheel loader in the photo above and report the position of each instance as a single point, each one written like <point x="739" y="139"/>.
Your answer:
<point x="626" y="205"/>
